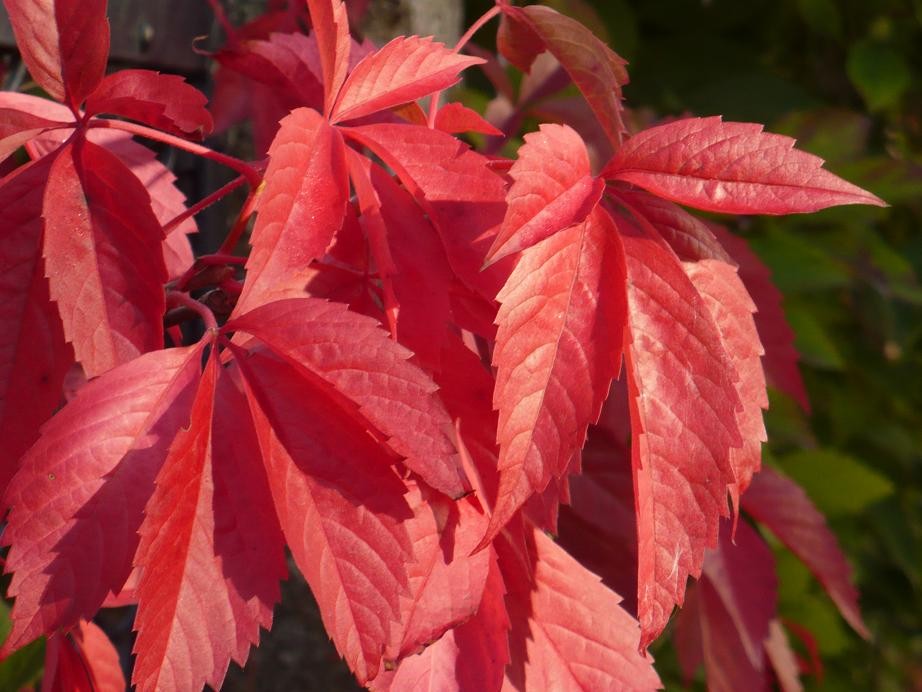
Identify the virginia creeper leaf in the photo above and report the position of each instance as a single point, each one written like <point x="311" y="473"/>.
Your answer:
<point x="340" y="506"/>
<point x="683" y="404"/>
<point x="552" y="189"/>
<point x="78" y="500"/>
<point x="64" y="43"/>
<point x="558" y="347"/>
<point x="731" y="310"/>
<point x="783" y="659"/>
<point x="83" y="660"/>
<point x="163" y="101"/>
<point x="330" y="25"/>
<point x="355" y="357"/>
<point x="568" y="631"/>
<point x="471" y="656"/>
<point x="210" y="555"/>
<point x="302" y="207"/>
<point x="406" y="69"/>
<point x="103" y="257"/>
<point x="18" y="127"/>
<point x="730" y="167"/>
<point x="780" y="359"/>
<point x="784" y="508"/>
<point x="34" y="358"/>
<point x="596" y="69"/>
<point x="456" y="117"/>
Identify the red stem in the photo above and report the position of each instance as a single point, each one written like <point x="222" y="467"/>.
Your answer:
<point x="175" y="299"/>
<point x="468" y="35"/>
<point x="221" y="16"/>
<point x="249" y="207"/>
<point x="203" y="204"/>
<point x="252" y="176"/>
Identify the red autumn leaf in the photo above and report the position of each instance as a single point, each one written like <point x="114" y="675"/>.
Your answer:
<point x="103" y="257"/>
<point x="730" y="167"/>
<point x="352" y="355"/>
<point x="78" y="500"/>
<point x="209" y="530"/>
<point x="64" y="43"/>
<point x="446" y="583"/>
<point x="340" y="504"/>
<point x="689" y="237"/>
<point x="472" y="656"/>
<point x="405" y="69"/>
<point x="301" y="208"/>
<point x="83" y="660"/>
<point x="782" y="658"/>
<point x="784" y="508"/>
<point x="552" y="189"/>
<point x="731" y="310"/>
<point x="568" y="631"/>
<point x="163" y="101"/>
<point x="455" y="118"/>
<point x="34" y="357"/>
<point x="18" y="127"/>
<point x="454" y="185"/>
<point x="780" y="359"/>
<point x="557" y="349"/>
<point x="596" y="69"/>
<point x="330" y="25"/>
<point x="683" y="404"/>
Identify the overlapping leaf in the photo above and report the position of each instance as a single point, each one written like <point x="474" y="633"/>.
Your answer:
<point x="552" y="189"/>
<point x="64" y="43"/>
<point x="302" y="207"/>
<point x="78" y="500"/>
<point x="783" y="507"/>
<point x="83" y="660"/>
<point x="211" y="552"/>
<point x="352" y="355"/>
<point x="404" y="70"/>
<point x="163" y="101"/>
<point x="730" y="167"/>
<point x="557" y="349"/>
<point x="330" y="25"/>
<point x="683" y="404"/>
<point x="103" y="256"/>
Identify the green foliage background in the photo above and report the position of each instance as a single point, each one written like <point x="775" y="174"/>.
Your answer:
<point x="845" y="79"/>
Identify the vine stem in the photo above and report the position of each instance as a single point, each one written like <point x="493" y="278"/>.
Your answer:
<point x="175" y="299"/>
<point x="251" y="175"/>
<point x="204" y="203"/>
<point x="249" y="207"/>
<point x="463" y="41"/>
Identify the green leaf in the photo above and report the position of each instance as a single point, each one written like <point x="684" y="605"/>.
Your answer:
<point x="815" y="345"/>
<point x="879" y="73"/>
<point x="23" y="667"/>
<point x="837" y="483"/>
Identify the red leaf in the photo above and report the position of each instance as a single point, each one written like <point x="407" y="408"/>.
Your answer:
<point x="211" y="551"/>
<point x="405" y="69"/>
<point x="689" y="237"/>
<point x="340" y="505"/>
<point x="553" y="189"/>
<point x="730" y="167"/>
<point x="163" y="101"/>
<point x="780" y="359"/>
<point x="557" y="349"/>
<point x="301" y="208"/>
<point x="454" y="118"/>
<point x="103" y="257"/>
<point x="568" y="631"/>
<point x="782" y="658"/>
<point x="446" y="582"/>
<point x="18" y="127"/>
<point x="34" y="357"/>
<point x="596" y="69"/>
<point x="331" y="27"/>
<point x="84" y="660"/>
<point x="738" y="600"/>
<point x="78" y="500"/>
<point x="471" y="656"/>
<point x="455" y="186"/>
<point x="784" y="508"/>
<point x="731" y="310"/>
<point x="64" y="43"/>
<point x="357" y="359"/>
<point x="683" y="415"/>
